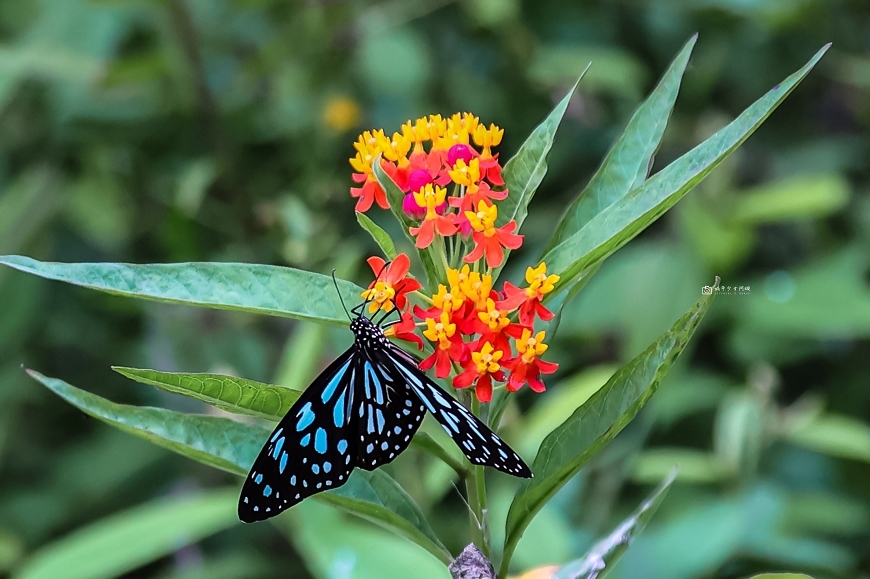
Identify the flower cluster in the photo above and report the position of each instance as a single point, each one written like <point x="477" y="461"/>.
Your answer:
<point x="469" y="324"/>
<point x="479" y="334"/>
<point x="425" y="159"/>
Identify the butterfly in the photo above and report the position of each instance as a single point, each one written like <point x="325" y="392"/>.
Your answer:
<point x="362" y="411"/>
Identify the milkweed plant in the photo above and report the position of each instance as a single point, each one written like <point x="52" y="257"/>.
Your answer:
<point x="461" y="209"/>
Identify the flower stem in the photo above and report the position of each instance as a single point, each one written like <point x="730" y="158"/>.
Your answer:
<point x="443" y="254"/>
<point x="475" y="487"/>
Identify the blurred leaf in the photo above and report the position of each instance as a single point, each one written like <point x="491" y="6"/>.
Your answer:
<point x="193" y="183"/>
<point x="394" y="60"/>
<point x="555" y="408"/>
<point x="247" y="566"/>
<point x="836" y="435"/>
<point x="381" y="237"/>
<point x="334" y="547"/>
<point x="805" y="196"/>
<point x="826" y="298"/>
<point x="233" y="446"/>
<point x="628" y="161"/>
<point x="11" y="550"/>
<point x="721" y="244"/>
<point x="431" y="262"/>
<point x="695" y="466"/>
<point x="524" y="171"/>
<point x="614" y="70"/>
<point x="595" y="423"/>
<point x="123" y="542"/>
<point x="781" y="576"/>
<point x="606" y="552"/>
<point x="301" y="358"/>
<point x="426" y="443"/>
<point x="236" y="395"/>
<point x="25" y="206"/>
<point x="264" y="289"/>
<point x="617" y="224"/>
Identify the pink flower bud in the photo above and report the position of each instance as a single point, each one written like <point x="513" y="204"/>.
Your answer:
<point x="459" y="151"/>
<point x="417" y="180"/>
<point x="409" y="205"/>
<point x="441" y="209"/>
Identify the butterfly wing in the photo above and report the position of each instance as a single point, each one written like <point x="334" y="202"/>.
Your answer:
<point x="480" y="444"/>
<point x="388" y="413"/>
<point x="311" y="449"/>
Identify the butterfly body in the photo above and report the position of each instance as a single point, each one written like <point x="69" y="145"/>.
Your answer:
<point x="362" y="411"/>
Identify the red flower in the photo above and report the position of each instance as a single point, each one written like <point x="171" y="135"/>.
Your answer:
<point x="528" y="300"/>
<point x="404" y="330"/>
<point x="489" y="239"/>
<point x="449" y="346"/>
<point x="369" y="193"/>
<point x="431" y="198"/>
<point x="391" y="285"/>
<point x="526" y="367"/>
<point x="482" y="367"/>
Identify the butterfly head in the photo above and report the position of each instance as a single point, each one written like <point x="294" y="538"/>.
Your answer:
<point x="367" y="332"/>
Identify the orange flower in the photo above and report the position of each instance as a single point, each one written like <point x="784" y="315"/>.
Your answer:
<point x="491" y="324"/>
<point x="489" y="239"/>
<point x="368" y="147"/>
<point x="482" y="367"/>
<point x="392" y="284"/>
<point x="431" y="198"/>
<point x="449" y="346"/>
<point x="528" y="300"/>
<point x="526" y="367"/>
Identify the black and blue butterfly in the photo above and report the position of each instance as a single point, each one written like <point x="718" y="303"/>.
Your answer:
<point x="362" y="411"/>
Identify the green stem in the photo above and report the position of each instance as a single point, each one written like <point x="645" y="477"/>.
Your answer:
<point x="475" y="487"/>
<point x="443" y="256"/>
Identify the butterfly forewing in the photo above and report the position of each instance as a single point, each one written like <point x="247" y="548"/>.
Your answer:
<point x="311" y="450"/>
<point x="389" y="413"/>
<point x="480" y="444"/>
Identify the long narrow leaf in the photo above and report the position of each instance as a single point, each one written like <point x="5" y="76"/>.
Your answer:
<point x="232" y="446"/>
<point x="606" y="552"/>
<point x="381" y="237"/>
<point x="570" y="446"/>
<point x="236" y="395"/>
<point x="614" y="226"/>
<point x="524" y="171"/>
<point x="626" y="164"/>
<point x="113" y="546"/>
<point x="263" y="289"/>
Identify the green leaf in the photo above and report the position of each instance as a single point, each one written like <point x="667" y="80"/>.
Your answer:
<point x="235" y="395"/>
<point x="113" y="546"/>
<point x="524" y="171"/>
<point x="263" y="289"/>
<point x="781" y="576"/>
<point x="431" y="262"/>
<point x="626" y="164"/>
<point x="614" y="226"/>
<point x="426" y="443"/>
<point x="606" y="552"/>
<point x="232" y="446"/>
<point x="803" y="196"/>
<point x="570" y="446"/>
<point x="381" y="237"/>
<point x="835" y="435"/>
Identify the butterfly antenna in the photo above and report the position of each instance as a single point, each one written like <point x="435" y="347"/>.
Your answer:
<point x="341" y="299"/>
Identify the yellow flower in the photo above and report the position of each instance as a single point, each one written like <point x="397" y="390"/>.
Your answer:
<point x="487" y="138"/>
<point x="466" y="174"/>
<point x="484" y="219"/>
<point x="381" y="297"/>
<point x="487" y="360"/>
<point x="430" y="198"/>
<point x="341" y="114"/>
<point x="396" y="148"/>
<point x="368" y="147"/>
<point x="440" y="331"/>
<point x="448" y="301"/>
<point x="477" y="288"/>
<point x="494" y="318"/>
<point x="539" y="282"/>
<point x="530" y="347"/>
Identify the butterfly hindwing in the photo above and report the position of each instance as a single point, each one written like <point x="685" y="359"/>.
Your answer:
<point x="389" y="414"/>
<point x="311" y="450"/>
<point x="480" y="444"/>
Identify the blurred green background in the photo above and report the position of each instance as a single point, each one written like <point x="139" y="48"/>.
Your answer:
<point x="219" y="130"/>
